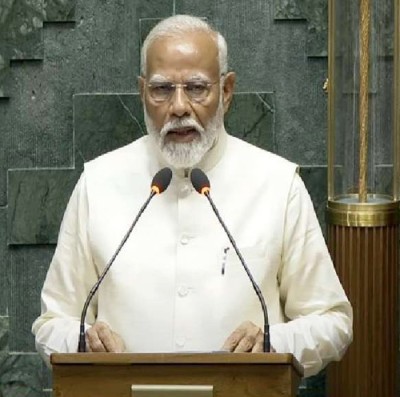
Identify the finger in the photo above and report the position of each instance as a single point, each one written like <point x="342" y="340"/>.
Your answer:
<point x="245" y="344"/>
<point x="233" y="340"/>
<point x="259" y="342"/>
<point x="107" y="338"/>
<point x="119" y="343"/>
<point x="95" y="344"/>
<point x="88" y="349"/>
<point x="258" y="346"/>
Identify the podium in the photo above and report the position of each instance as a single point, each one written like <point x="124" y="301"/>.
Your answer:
<point x="222" y="374"/>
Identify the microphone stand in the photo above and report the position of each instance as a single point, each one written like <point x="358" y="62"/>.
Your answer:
<point x="267" y="342"/>
<point x="82" y="339"/>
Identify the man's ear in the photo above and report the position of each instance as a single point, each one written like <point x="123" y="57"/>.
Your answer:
<point x="141" y="82"/>
<point x="229" y="87"/>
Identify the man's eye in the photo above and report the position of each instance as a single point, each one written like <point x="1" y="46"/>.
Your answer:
<point x="162" y="88"/>
<point x="196" y="88"/>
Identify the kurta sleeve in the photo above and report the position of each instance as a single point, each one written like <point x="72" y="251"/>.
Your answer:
<point x="70" y="276"/>
<point x="319" y="326"/>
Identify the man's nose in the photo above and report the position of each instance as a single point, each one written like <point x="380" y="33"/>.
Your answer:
<point x="180" y="103"/>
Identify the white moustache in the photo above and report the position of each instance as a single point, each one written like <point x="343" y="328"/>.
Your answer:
<point x="181" y="123"/>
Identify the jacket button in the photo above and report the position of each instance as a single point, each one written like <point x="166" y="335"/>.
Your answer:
<point x="182" y="291"/>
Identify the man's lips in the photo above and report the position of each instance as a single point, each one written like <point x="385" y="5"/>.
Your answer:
<point x="183" y="131"/>
<point x="182" y="135"/>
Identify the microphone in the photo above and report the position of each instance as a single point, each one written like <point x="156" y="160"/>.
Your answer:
<point x="202" y="185"/>
<point x="159" y="184"/>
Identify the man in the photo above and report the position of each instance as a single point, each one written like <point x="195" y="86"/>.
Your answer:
<point x="166" y="291"/>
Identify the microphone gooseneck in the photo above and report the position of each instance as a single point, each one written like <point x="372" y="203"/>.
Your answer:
<point x="159" y="184"/>
<point x="201" y="184"/>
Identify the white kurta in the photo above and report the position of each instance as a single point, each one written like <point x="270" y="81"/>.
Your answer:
<point x="165" y="291"/>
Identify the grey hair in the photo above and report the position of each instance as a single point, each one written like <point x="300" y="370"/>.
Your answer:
<point x="178" y="25"/>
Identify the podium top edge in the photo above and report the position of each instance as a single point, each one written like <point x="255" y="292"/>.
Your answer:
<point x="176" y="359"/>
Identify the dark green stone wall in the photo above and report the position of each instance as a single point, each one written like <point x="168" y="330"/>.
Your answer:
<point x="68" y="92"/>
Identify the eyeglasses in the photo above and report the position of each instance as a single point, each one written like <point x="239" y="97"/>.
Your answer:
<point x="196" y="91"/>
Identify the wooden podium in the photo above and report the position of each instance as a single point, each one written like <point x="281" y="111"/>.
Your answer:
<point x="228" y="374"/>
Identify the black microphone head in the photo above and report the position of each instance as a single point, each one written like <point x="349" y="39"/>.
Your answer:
<point x="161" y="180"/>
<point x="200" y="181"/>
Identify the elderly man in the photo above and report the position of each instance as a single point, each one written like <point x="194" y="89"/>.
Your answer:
<point x="166" y="292"/>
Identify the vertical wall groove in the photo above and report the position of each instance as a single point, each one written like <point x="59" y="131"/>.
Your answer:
<point x="366" y="260"/>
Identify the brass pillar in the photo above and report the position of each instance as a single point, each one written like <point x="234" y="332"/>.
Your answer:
<point x="363" y="188"/>
<point x="364" y="246"/>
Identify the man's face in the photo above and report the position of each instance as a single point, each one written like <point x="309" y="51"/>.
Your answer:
<point x="185" y="128"/>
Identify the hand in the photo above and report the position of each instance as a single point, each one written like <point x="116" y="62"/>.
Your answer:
<point x="245" y="338"/>
<point x="100" y="338"/>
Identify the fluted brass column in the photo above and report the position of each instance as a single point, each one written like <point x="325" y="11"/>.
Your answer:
<point x="363" y="188"/>
<point x="363" y="241"/>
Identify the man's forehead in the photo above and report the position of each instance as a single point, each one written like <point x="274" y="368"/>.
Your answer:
<point x="185" y="44"/>
<point x="193" y="51"/>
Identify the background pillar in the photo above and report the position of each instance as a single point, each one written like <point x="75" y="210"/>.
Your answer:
<point x="363" y="188"/>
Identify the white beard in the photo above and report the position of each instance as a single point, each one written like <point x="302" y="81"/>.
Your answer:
<point x="186" y="155"/>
